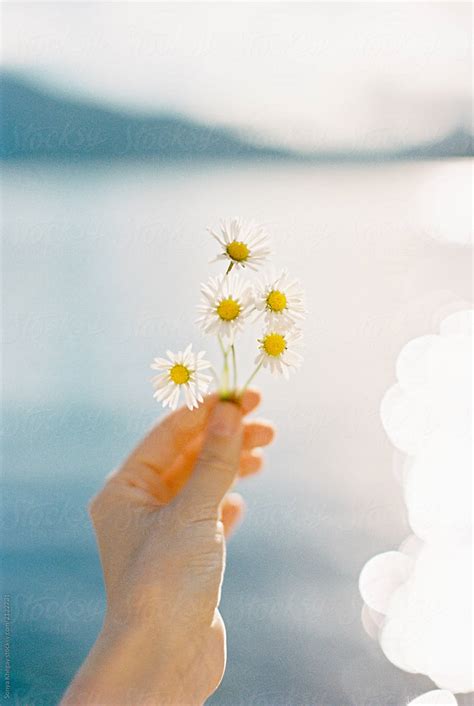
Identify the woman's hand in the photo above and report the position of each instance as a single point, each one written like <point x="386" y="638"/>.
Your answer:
<point x="160" y="523"/>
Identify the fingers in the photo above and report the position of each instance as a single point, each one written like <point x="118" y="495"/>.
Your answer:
<point x="250" y="462"/>
<point x="257" y="432"/>
<point x="218" y="461"/>
<point x="174" y="433"/>
<point x="232" y="511"/>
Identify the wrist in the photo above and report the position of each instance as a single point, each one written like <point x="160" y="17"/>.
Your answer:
<point x="131" y="665"/>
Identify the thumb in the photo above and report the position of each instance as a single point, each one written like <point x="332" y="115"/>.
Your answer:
<point x="218" y="462"/>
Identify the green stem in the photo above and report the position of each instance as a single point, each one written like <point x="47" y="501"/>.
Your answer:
<point x="230" y="267"/>
<point x="234" y="366"/>
<point x="225" y="368"/>
<point x="224" y="352"/>
<point x="251" y="378"/>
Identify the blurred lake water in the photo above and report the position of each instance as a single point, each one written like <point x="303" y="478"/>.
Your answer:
<point x="101" y="270"/>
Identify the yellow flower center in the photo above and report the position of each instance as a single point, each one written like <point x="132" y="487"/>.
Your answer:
<point x="237" y="251"/>
<point x="228" y="309"/>
<point x="276" y="300"/>
<point x="274" y="344"/>
<point x="179" y="374"/>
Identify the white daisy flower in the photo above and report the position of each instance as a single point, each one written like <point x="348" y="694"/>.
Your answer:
<point x="243" y="244"/>
<point x="280" y="300"/>
<point x="277" y="350"/>
<point x="227" y="302"/>
<point x="182" y="371"/>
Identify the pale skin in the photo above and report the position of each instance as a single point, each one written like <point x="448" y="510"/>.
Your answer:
<point x="161" y="522"/>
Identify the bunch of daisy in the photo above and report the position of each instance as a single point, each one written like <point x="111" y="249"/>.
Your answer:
<point x="229" y="304"/>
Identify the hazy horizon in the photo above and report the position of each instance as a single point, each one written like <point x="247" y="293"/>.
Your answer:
<point x="291" y="74"/>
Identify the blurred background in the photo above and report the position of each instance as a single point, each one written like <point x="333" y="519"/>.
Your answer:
<point x="128" y="129"/>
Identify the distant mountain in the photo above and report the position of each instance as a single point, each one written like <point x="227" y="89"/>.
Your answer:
<point x="38" y="124"/>
<point x="456" y="144"/>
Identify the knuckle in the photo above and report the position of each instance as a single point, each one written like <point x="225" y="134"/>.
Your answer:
<point x="97" y="505"/>
<point x="216" y="461"/>
<point x="93" y="507"/>
<point x="188" y="514"/>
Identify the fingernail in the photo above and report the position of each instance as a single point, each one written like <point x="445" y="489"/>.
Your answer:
<point x="225" y="419"/>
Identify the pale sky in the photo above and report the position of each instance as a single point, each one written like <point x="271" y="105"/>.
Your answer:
<point x="316" y="74"/>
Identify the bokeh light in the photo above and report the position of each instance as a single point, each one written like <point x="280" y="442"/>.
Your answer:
<point x="422" y="594"/>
